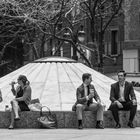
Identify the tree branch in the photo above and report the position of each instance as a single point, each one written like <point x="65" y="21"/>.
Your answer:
<point x="113" y="15"/>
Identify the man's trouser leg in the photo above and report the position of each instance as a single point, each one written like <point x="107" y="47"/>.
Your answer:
<point x="79" y="111"/>
<point x="99" y="108"/>
<point x="114" y="109"/>
<point x="133" y="108"/>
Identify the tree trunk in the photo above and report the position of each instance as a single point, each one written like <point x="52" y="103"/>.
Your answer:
<point x="35" y="51"/>
<point x="42" y="45"/>
<point x="100" y="65"/>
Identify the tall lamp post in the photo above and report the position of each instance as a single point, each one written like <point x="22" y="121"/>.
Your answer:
<point x="79" y="36"/>
<point x="66" y="36"/>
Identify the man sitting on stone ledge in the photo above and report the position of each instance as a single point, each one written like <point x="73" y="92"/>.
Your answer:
<point x="85" y="94"/>
<point x="122" y="97"/>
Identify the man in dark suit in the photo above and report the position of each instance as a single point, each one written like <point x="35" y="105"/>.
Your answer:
<point x="85" y="94"/>
<point x="122" y="97"/>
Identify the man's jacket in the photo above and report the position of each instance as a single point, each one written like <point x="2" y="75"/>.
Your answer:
<point x="81" y="97"/>
<point x="128" y="92"/>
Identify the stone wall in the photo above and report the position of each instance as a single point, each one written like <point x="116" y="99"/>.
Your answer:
<point x="67" y="119"/>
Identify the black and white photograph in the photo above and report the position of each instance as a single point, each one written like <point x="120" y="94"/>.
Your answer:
<point x="69" y="69"/>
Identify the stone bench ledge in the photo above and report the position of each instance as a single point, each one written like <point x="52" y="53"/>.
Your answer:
<point x="66" y="119"/>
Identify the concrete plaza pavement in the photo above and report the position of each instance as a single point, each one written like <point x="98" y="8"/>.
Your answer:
<point x="71" y="134"/>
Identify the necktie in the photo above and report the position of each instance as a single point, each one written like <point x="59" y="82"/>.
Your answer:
<point x="88" y="92"/>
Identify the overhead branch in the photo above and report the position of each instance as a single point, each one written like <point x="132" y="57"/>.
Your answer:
<point x="113" y="15"/>
<point x="76" y="47"/>
<point x="4" y="48"/>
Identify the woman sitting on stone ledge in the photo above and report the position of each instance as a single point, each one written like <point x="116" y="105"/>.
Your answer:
<point x="22" y="98"/>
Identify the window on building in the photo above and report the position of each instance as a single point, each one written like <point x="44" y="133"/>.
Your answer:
<point x="114" y="42"/>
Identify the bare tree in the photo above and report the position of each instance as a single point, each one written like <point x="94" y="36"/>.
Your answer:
<point x="37" y="21"/>
<point x="100" y="14"/>
<point x="25" y="20"/>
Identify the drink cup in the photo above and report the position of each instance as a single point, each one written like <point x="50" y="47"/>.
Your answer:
<point x="134" y="102"/>
<point x="92" y="91"/>
<point x="13" y="83"/>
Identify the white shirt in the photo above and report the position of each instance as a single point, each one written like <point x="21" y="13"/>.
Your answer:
<point x="122" y="91"/>
<point x="86" y="91"/>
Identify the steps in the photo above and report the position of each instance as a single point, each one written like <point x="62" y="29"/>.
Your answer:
<point x="67" y="119"/>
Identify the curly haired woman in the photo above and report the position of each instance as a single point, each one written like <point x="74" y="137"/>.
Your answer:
<point x="22" y="98"/>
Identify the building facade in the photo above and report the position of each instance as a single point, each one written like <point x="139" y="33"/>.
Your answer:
<point x="121" y="42"/>
<point x="112" y="51"/>
<point x="131" y="49"/>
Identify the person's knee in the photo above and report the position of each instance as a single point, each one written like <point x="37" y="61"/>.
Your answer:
<point x="13" y="101"/>
<point x="113" y="107"/>
<point x="79" y="106"/>
<point x="14" y="104"/>
<point x="100" y="107"/>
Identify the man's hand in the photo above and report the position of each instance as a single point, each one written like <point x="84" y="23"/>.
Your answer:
<point x="98" y="101"/>
<point x="134" y="102"/>
<point x="119" y="104"/>
<point x="120" y="100"/>
<point x="90" y="96"/>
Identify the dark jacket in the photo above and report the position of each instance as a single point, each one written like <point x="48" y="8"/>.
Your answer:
<point x="128" y="92"/>
<point x="81" y="98"/>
